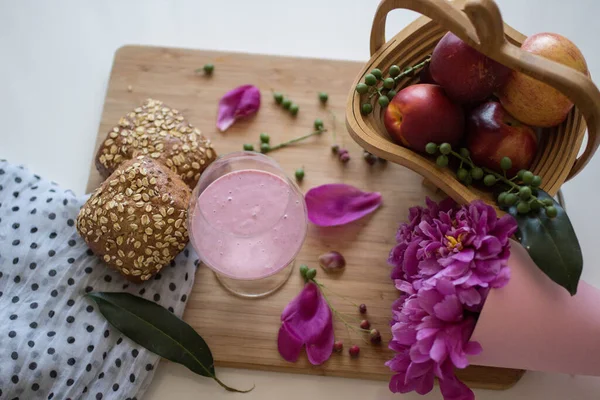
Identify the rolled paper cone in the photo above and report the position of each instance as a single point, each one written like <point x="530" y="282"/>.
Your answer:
<point x="534" y="324"/>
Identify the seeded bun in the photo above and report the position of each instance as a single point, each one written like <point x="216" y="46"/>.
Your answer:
<point x="161" y="133"/>
<point x="136" y="221"/>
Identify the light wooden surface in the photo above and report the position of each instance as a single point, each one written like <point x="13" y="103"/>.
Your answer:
<point x="482" y="27"/>
<point x="242" y="333"/>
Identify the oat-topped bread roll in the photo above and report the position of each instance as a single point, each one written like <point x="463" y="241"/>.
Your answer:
<point x="161" y="133"/>
<point x="136" y="221"/>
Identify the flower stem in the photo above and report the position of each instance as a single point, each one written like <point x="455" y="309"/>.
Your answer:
<point x="333" y="121"/>
<point x="340" y="315"/>
<point x="412" y="69"/>
<point x="296" y="140"/>
<point x="338" y="295"/>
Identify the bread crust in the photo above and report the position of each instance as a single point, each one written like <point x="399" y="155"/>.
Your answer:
<point x="161" y="133"/>
<point x="137" y="220"/>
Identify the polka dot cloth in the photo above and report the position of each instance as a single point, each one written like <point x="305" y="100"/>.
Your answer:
<point x="54" y="343"/>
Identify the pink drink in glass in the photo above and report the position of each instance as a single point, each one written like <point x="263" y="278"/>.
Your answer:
<point x="247" y="223"/>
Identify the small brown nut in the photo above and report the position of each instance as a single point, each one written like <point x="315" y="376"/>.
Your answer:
<point x="332" y="261"/>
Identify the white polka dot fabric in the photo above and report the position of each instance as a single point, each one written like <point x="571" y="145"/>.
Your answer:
<point x="54" y="343"/>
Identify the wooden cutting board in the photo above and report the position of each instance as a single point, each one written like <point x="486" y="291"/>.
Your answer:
<point x="242" y="333"/>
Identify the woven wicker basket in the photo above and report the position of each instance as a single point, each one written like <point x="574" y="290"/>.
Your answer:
<point x="479" y="23"/>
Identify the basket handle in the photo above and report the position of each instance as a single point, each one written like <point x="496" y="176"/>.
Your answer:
<point x="481" y="26"/>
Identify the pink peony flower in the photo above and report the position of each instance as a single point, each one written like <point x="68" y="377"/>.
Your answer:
<point x="446" y="260"/>
<point x="306" y="321"/>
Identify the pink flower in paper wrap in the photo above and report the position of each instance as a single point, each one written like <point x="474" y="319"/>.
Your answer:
<point x="338" y="204"/>
<point x="237" y="103"/>
<point x="306" y="321"/>
<point x="446" y="260"/>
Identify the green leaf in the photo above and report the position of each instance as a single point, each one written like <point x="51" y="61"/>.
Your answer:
<point x="159" y="331"/>
<point x="551" y="243"/>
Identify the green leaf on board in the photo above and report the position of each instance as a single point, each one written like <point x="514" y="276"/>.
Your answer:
<point x="159" y="331"/>
<point x="552" y="244"/>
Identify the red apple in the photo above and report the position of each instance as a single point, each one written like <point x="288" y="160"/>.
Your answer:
<point x="422" y="113"/>
<point x="425" y="75"/>
<point x="532" y="101"/>
<point x="492" y="133"/>
<point x="466" y="74"/>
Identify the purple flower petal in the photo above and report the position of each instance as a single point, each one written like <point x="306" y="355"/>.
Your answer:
<point x="288" y="344"/>
<point x="404" y="336"/>
<point x="465" y="255"/>
<point x="490" y="248"/>
<point x="449" y="309"/>
<point x="438" y="351"/>
<point x="473" y="348"/>
<point x="501" y="279"/>
<point x="429" y="266"/>
<point x="306" y="320"/>
<point x="410" y="264"/>
<point x="404" y="286"/>
<point x="237" y="103"/>
<point x="469" y="296"/>
<point x="424" y="384"/>
<point x="453" y="389"/>
<point x="338" y="204"/>
<point x="319" y="350"/>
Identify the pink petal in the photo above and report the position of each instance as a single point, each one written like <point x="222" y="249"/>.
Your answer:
<point x="320" y="350"/>
<point x="307" y="320"/>
<point x="459" y="359"/>
<point x="398" y="384"/>
<point x="428" y="299"/>
<point x="288" y="344"/>
<point x="416" y="370"/>
<point x="338" y="204"/>
<point x="404" y="336"/>
<point x="453" y="389"/>
<point x="465" y="255"/>
<point x="417" y="356"/>
<point x="237" y="103"/>
<point x="429" y="266"/>
<point x="425" y="333"/>
<point x="410" y="263"/>
<point x="439" y="351"/>
<point x="424" y="384"/>
<point x="470" y="296"/>
<point x="449" y="309"/>
<point x="473" y="348"/>
<point x="404" y="286"/>
<point x="501" y="279"/>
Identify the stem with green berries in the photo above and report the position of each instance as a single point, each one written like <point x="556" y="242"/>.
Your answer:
<point x="389" y="86"/>
<point x="520" y="195"/>
<point x="292" y="141"/>
<point x="265" y="146"/>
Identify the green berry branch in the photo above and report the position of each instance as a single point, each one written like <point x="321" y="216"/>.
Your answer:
<point x="286" y="103"/>
<point x="522" y="188"/>
<point x="265" y="145"/>
<point x="388" y="88"/>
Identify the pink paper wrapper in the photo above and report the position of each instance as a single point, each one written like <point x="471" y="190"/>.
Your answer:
<point x="534" y="324"/>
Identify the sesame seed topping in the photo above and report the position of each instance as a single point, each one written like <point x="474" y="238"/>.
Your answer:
<point x="132" y="222"/>
<point x="162" y="133"/>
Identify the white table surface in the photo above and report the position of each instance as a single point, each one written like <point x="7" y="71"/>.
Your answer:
<point x="55" y="60"/>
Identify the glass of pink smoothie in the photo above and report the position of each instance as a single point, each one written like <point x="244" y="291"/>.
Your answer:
<point x="247" y="222"/>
